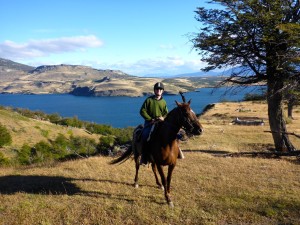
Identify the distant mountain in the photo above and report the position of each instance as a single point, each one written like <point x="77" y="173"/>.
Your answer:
<point x="8" y="64"/>
<point x="10" y="70"/>
<point x="87" y="81"/>
<point x="199" y="74"/>
<point x="194" y="74"/>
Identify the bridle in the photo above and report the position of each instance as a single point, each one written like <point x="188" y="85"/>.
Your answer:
<point x="183" y="118"/>
<point x="184" y="121"/>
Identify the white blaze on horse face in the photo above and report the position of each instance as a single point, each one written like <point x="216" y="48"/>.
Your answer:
<point x="195" y="120"/>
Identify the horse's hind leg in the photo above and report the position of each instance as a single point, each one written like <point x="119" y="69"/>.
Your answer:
<point x="137" y="167"/>
<point x="156" y="177"/>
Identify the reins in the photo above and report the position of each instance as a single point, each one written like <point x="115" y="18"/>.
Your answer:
<point x="179" y="122"/>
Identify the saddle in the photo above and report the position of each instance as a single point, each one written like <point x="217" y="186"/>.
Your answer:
<point x="153" y="129"/>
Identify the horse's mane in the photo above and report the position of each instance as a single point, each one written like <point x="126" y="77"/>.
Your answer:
<point x="172" y="112"/>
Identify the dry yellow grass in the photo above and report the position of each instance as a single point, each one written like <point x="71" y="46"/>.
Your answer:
<point x="221" y="135"/>
<point x="206" y="188"/>
<point x="30" y="131"/>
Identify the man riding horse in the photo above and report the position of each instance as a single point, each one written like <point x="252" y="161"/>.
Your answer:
<point x="153" y="110"/>
<point x="163" y="144"/>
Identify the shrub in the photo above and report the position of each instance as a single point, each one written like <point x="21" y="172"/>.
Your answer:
<point x="60" y="146"/>
<point x="54" y="118"/>
<point x="123" y="135"/>
<point x="42" y="151"/>
<point x="73" y="122"/>
<point x="105" y="144"/>
<point x="83" y="146"/>
<point x="5" y="137"/>
<point x="24" y="155"/>
<point x="99" y="129"/>
<point x="3" y="160"/>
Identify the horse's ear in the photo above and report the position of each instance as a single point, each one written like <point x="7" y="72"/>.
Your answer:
<point x="189" y="102"/>
<point x="177" y="103"/>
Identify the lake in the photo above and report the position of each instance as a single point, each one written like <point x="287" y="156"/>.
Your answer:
<point x="115" y="111"/>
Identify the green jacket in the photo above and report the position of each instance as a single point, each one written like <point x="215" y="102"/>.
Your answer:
<point x="153" y="108"/>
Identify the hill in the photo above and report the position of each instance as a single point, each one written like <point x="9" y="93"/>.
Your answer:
<point x="218" y="124"/>
<point x="10" y="71"/>
<point x="8" y="64"/>
<point x="207" y="187"/>
<point x="87" y="81"/>
<point x="29" y="131"/>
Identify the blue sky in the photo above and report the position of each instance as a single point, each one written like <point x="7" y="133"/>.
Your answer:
<point x="136" y="37"/>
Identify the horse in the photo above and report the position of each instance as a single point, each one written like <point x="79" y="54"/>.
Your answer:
<point x="163" y="146"/>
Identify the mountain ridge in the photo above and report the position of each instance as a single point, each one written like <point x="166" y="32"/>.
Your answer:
<point x="87" y="81"/>
<point x="14" y="65"/>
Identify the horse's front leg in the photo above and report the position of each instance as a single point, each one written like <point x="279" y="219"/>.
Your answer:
<point x="156" y="177"/>
<point x="164" y="183"/>
<point x="137" y="167"/>
<point x="170" y="171"/>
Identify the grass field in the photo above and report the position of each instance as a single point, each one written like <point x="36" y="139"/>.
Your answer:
<point x="30" y="131"/>
<point x="207" y="187"/>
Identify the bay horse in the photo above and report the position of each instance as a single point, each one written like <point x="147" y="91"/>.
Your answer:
<point x="163" y="146"/>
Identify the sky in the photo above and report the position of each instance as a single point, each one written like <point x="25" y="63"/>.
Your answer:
<point x="141" y="38"/>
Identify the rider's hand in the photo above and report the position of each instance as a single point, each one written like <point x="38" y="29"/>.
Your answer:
<point x="160" y="118"/>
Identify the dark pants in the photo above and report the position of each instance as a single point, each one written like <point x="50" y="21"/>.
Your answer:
<point x="146" y="130"/>
<point x="145" y="135"/>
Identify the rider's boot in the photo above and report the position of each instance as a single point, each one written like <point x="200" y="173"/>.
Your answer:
<point x="180" y="154"/>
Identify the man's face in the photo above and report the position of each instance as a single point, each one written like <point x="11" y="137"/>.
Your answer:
<point x="158" y="91"/>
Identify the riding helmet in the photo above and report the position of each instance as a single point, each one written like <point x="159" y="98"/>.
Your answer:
<point x="159" y="85"/>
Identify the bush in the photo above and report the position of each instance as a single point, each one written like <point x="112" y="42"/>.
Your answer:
<point x="42" y="152"/>
<point x="24" y="155"/>
<point x="3" y="160"/>
<point x="73" y="122"/>
<point x="60" y="146"/>
<point x="105" y="144"/>
<point x="59" y="149"/>
<point x="82" y="146"/>
<point x="5" y="137"/>
<point x="123" y="136"/>
<point x="54" y="118"/>
<point x="99" y="129"/>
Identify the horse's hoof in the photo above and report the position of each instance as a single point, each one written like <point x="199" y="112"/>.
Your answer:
<point x="161" y="187"/>
<point x="171" y="204"/>
<point x="136" y="186"/>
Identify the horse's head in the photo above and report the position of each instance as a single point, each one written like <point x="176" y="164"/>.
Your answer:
<point x="188" y="119"/>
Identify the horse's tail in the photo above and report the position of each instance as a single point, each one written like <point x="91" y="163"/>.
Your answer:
<point x="126" y="155"/>
<point x="132" y="149"/>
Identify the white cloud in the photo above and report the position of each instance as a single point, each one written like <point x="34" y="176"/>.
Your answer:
<point x="45" y="47"/>
<point x="53" y="51"/>
<point x="160" y="66"/>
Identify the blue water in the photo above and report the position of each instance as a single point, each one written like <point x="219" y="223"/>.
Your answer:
<point x="115" y="111"/>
